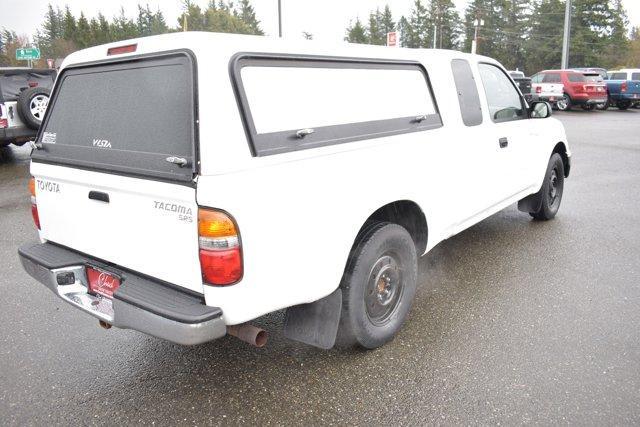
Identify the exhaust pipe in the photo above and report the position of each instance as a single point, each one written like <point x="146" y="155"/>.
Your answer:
<point x="248" y="333"/>
<point x="104" y="325"/>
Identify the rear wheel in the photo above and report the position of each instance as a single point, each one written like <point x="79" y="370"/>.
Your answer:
<point x="623" y="105"/>
<point x="378" y="286"/>
<point x="603" y="106"/>
<point x="564" y="104"/>
<point x="552" y="189"/>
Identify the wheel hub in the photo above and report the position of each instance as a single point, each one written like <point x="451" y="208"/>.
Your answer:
<point x="38" y="106"/>
<point x="383" y="289"/>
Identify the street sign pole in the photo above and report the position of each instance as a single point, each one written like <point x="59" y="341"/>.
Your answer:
<point x="567" y="35"/>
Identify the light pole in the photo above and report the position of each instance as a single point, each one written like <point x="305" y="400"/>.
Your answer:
<point x="279" y="19"/>
<point x="567" y="35"/>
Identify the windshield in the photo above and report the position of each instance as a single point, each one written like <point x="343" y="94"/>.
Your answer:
<point x="593" y="78"/>
<point x="126" y="116"/>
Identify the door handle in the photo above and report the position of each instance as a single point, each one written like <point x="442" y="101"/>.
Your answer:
<point x="99" y="196"/>
<point x="503" y="142"/>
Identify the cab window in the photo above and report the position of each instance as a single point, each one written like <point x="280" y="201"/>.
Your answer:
<point x="503" y="99"/>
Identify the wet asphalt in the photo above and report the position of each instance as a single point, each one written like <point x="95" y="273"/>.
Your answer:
<point x="515" y="322"/>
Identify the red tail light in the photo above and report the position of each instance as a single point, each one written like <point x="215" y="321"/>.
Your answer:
<point x="538" y="89"/>
<point x="34" y="206"/>
<point x="4" y="123"/>
<point x="623" y="87"/>
<point x="122" y="49"/>
<point x="33" y="84"/>
<point x="220" y="250"/>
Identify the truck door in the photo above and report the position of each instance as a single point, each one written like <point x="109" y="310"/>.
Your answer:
<point x="509" y="134"/>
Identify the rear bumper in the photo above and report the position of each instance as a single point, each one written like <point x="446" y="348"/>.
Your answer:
<point x="139" y="303"/>
<point x="21" y="133"/>
<point x="633" y="97"/>
<point x="585" y="99"/>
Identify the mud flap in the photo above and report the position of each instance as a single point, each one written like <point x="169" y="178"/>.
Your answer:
<point x="531" y="203"/>
<point x="316" y="323"/>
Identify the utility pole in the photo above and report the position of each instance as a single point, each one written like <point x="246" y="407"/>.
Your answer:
<point x="435" y="34"/>
<point x="279" y="18"/>
<point x="566" y="36"/>
<point x="474" y="43"/>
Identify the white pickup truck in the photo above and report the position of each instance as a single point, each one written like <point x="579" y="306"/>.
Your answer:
<point x="186" y="184"/>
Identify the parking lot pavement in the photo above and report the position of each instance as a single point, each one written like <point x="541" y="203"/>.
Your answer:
<point x="515" y="322"/>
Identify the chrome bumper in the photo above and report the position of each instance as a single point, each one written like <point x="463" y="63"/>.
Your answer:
<point x="168" y="313"/>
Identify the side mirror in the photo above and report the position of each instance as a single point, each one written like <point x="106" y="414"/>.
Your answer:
<point x="540" y="110"/>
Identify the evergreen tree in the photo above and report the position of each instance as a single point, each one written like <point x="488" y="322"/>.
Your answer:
<point x="248" y="16"/>
<point x="356" y="33"/>
<point x="444" y="21"/>
<point x="83" y="37"/>
<point x="123" y="28"/>
<point x="374" y="32"/>
<point x="544" y="44"/>
<point x="193" y="16"/>
<point x="417" y="27"/>
<point x="158" y="23"/>
<point x="69" y="26"/>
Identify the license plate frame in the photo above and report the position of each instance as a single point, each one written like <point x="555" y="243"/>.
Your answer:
<point x="101" y="282"/>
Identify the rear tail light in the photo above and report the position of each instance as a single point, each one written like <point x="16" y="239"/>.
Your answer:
<point x="4" y="123"/>
<point x="33" y="84"/>
<point x="220" y="248"/>
<point x="34" y="206"/>
<point x="538" y="89"/>
<point x="623" y="87"/>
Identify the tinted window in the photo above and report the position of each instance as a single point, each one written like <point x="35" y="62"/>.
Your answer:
<point x="593" y="78"/>
<point x="339" y="100"/>
<point x="126" y="116"/>
<point x="635" y="76"/>
<point x="503" y="99"/>
<point x="618" y="76"/>
<point x="576" y="78"/>
<point x="468" y="97"/>
<point x="552" y="78"/>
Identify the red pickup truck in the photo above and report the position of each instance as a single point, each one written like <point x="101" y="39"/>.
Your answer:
<point x="577" y="89"/>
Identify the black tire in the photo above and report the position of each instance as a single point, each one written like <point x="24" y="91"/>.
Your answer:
<point x="32" y="105"/>
<point x="565" y="104"/>
<point x="604" y="106"/>
<point x="378" y="285"/>
<point x="623" y="105"/>
<point x="589" y="107"/>
<point x="552" y="189"/>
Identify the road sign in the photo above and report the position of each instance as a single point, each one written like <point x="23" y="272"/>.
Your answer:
<point x="392" y="39"/>
<point x="27" y="53"/>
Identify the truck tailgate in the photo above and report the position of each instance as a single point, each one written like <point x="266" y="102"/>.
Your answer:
<point x="146" y="226"/>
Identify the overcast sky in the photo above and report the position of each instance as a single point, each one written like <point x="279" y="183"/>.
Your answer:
<point x="325" y="19"/>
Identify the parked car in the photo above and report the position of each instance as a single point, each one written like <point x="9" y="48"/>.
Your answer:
<point x="208" y="187"/>
<point x="524" y="84"/>
<point x="623" y="87"/>
<point x="576" y="89"/>
<point x="548" y="87"/>
<point x="595" y="78"/>
<point x="24" y="95"/>
<point x="590" y="70"/>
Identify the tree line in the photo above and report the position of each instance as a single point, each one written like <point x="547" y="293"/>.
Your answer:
<point x="63" y="33"/>
<point x="523" y="34"/>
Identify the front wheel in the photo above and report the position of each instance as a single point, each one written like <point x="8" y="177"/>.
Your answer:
<point x="564" y="104"/>
<point x="623" y="105"/>
<point x="552" y="189"/>
<point x="378" y="286"/>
